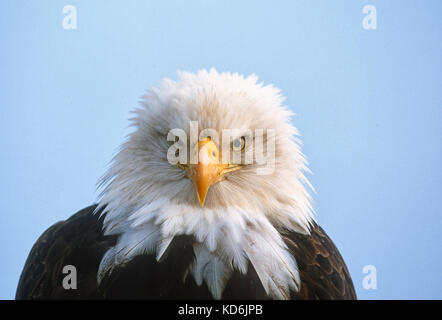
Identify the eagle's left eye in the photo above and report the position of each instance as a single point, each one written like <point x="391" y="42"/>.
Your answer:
<point x="239" y="144"/>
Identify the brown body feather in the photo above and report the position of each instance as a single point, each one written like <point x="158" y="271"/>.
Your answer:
<point x="79" y="241"/>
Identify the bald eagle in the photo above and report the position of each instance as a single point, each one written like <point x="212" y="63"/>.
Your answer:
<point x="219" y="216"/>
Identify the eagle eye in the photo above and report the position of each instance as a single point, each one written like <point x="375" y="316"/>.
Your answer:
<point x="239" y="144"/>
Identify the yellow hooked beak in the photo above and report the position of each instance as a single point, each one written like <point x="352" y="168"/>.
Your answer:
<point x="209" y="170"/>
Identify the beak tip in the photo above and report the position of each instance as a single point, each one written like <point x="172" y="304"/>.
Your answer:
<point x="201" y="200"/>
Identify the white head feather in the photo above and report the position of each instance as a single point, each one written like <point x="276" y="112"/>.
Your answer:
<point x="148" y="201"/>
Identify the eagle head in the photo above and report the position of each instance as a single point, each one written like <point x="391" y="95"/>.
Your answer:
<point x="212" y="155"/>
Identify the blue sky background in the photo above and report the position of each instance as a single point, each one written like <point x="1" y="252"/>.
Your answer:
<point x="368" y="104"/>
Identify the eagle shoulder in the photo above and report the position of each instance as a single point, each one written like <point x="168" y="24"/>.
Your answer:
<point x="323" y="272"/>
<point x="78" y="241"/>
